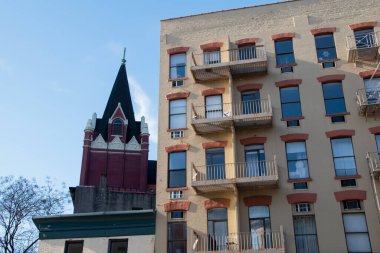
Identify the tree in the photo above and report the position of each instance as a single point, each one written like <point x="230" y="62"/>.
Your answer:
<point x="20" y="200"/>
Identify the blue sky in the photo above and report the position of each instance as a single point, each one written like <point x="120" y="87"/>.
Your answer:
<point x="58" y="62"/>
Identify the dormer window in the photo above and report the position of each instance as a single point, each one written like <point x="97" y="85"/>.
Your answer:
<point x="117" y="127"/>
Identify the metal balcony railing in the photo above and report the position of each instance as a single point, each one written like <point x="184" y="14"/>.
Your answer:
<point x="364" y="97"/>
<point x="258" y="169"/>
<point x="228" y="110"/>
<point x="368" y="40"/>
<point x="231" y="55"/>
<point x="271" y="241"/>
<point x="374" y="163"/>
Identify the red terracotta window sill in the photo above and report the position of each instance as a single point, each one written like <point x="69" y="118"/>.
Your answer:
<point x="338" y="114"/>
<point x="177" y="189"/>
<point x="290" y="119"/>
<point x="329" y="60"/>
<point x="347" y="177"/>
<point x="300" y="180"/>
<point x="286" y="65"/>
<point x="176" y="129"/>
<point x="177" y="79"/>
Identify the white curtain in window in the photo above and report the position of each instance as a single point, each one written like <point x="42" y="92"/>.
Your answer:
<point x="306" y="234"/>
<point x="177" y="114"/>
<point x="355" y="226"/>
<point x="296" y="150"/>
<point x="214" y="107"/>
<point x="342" y="147"/>
<point x="177" y="59"/>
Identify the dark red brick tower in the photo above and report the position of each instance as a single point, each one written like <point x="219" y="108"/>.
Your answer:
<point x="115" y="155"/>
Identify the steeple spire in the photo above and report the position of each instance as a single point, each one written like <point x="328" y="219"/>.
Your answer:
<point x="120" y="93"/>
<point x="123" y="60"/>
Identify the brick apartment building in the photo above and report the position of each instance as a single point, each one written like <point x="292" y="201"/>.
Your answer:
<point x="269" y="130"/>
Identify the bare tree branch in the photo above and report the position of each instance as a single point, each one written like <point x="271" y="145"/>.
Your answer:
<point x="20" y="200"/>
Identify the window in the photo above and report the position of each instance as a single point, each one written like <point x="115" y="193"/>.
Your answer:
<point x="297" y="160"/>
<point x="325" y="49"/>
<point x="377" y="137"/>
<point x="284" y="54"/>
<point x="177" y="66"/>
<point x="177" y="169"/>
<point x="251" y="102"/>
<point x="305" y="233"/>
<point x="176" y="215"/>
<point x="247" y="52"/>
<point x="344" y="159"/>
<point x="217" y="229"/>
<point x="255" y="160"/>
<point x="372" y="90"/>
<point x="334" y="100"/>
<point x="214" y="106"/>
<point x="117" y="127"/>
<point x="351" y="205"/>
<point x="177" y="237"/>
<point x="300" y="186"/>
<point x="176" y="195"/>
<point x="291" y="104"/>
<point x="118" y="246"/>
<point x="348" y="183"/>
<point x="260" y="227"/>
<point x="355" y="227"/>
<point x="302" y="208"/>
<point x="215" y="165"/>
<point x="73" y="246"/>
<point x="211" y="57"/>
<point x="364" y="38"/>
<point x="177" y="114"/>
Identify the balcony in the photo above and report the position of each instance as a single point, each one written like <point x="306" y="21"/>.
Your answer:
<point x="364" y="47"/>
<point x="227" y="177"/>
<point x="369" y="102"/>
<point x="374" y="164"/>
<point x="268" y="242"/>
<point x="217" y="65"/>
<point x="221" y="117"/>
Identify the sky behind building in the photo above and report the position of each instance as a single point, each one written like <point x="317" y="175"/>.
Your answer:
<point x="58" y="62"/>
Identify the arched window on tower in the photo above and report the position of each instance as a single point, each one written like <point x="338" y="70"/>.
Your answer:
<point x="117" y="127"/>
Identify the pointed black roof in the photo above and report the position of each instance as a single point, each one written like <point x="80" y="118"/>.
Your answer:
<point x="120" y="94"/>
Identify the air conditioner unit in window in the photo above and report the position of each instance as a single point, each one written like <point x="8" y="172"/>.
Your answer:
<point x="177" y="134"/>
<point x="177" y="83"/>
<point x="176" y="195"/>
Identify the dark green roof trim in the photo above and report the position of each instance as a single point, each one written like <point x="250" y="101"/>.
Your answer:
<point x="101" y="224"/>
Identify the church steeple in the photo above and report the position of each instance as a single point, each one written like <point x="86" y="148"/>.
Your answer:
<point x="120" y="94"/>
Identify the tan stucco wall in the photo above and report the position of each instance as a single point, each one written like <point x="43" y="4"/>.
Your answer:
<point x="136" y="244"/>
<point x="262" y="22"/>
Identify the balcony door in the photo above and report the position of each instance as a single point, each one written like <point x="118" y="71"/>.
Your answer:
<point x="255" y="160"/>
<point x="251" y="102"/>
<point x="259" y="221"/>
<point x="211" y="57"/>
<point x="247" y="52"/>
<point x="372" y="90"/>
<point x="217" y="229"/>
<point x="215" y="165"/>
<point x="214" y="106"/>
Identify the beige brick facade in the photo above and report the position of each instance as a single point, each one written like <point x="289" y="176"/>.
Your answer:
<point x="261" y="22"/>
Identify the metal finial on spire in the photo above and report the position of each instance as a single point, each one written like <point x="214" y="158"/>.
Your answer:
<point x="123" y="60"/>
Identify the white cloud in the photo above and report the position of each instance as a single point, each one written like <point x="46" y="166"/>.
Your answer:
<point x="144" y="107"/>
